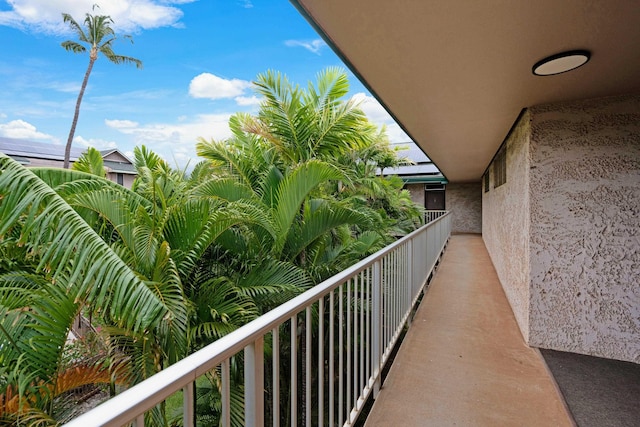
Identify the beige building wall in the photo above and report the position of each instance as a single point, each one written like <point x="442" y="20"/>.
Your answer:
<point x="465" y="203"/>
<point x="127" y="179"/>
<point x="417" y="193"/>
<point x="564" y="231"/>
<point x="505" y="224"/>
<point x="585" y="227"/>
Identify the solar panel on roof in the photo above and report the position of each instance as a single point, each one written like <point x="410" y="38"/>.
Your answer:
<point x="41" y="150"/>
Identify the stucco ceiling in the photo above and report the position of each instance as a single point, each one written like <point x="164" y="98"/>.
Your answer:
<point x="455" y="74"/>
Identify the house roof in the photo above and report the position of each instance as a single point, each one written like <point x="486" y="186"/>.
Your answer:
<point x="456" y="74"/>
<point x="423" y="170"/>
<point x="106" y="153"/>
<point x="120" y="167"/>
<point x="411" y="151"/>
<point x="23" y="148"/>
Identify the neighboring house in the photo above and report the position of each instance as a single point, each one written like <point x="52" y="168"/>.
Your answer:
<point x="430" y="189"/>
<point x="552" y="156"/>
<point x="119" y="168"/>
<point x="37" y="154"/>
<point x="420" y="177"/>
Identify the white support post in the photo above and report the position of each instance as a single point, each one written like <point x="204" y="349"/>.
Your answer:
<point x="188" y="414"/>
<point x="254" y="383"/>
<point x="226" y="394"/>
<point x="411" y="285"/>
<point x="376" y="327"/>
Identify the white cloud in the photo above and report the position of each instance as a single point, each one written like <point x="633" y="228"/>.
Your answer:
<point x="247" y="4"/>
<point x="396" y="134"/>
<point x="245" y="101"/>
<point x="210" y="86"/>
<point x="3" y="116"/>
<point x="65" y="87"/>
<point x="128" y="15"/>
<point x="311" y="45"/>
<point x="121" y="124"/>
<point x="97" y="143"/>
<point x="372" y="108"/>
<point x="176" y="141"/>
<point x="378" y="115"/>
<point x="20" y="129"/>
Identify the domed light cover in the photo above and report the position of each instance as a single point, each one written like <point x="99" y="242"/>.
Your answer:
<point x="561" y="62"/>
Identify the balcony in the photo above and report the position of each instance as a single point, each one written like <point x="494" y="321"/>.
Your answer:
<point x="462" y="361"/>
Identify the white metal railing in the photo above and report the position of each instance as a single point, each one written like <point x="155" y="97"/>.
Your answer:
<point x="343" y="331"/>
<point x="432" y="215"/>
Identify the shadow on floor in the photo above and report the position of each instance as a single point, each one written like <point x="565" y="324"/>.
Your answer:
<point x="599" y="392"/>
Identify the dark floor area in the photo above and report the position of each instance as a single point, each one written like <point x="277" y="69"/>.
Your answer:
<point x="599" y="392"/>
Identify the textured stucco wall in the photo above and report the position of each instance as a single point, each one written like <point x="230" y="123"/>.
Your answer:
<point x="465" y="203"/>
<point x="505" y="224"/>
<point x="585" y="227"/>
<point x="417" y="193"/>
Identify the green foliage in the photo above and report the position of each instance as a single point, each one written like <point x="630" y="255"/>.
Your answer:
<point x="179" y="261"/>
<point x="91" y="162"/>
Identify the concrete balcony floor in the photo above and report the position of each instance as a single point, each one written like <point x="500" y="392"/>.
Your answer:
<point x="464" y="362"/>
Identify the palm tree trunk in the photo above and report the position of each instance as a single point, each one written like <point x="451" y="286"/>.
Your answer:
<point x="67" y="149"/>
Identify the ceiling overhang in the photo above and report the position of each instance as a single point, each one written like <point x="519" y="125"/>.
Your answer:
<point x="456" y="74"/>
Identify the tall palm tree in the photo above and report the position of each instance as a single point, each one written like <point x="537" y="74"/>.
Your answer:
<point x="99" y="36"/>
<point x="312" y="123"/>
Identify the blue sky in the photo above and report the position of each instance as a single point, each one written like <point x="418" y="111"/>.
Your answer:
<point x="199" y="58"/>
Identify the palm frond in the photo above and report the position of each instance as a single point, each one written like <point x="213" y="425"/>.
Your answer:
<point x="65" y="244"/>
<point x="321" y="221"/>
<point x="293" y="190"/>
<point x="91" y="162"/>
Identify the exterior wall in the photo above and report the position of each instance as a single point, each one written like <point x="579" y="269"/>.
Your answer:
<point x="585" y="227"/>
<point x="417" y="193"/>
<point x="127" y="179"/>
<point x="563" y="232"/>
<point x="465" y="203"/>
<point x="33" y="162"/>
<point x="505" y="224"/>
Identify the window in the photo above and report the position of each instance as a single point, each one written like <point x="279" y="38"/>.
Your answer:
<point x="120" y="178"/>
<point x="500" y="168"/>
<point x="485" y="178"/>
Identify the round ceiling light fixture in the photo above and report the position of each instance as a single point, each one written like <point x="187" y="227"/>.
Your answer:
<point x="561" y="62"/>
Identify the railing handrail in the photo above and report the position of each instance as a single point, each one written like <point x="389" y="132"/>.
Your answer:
<point x="147" y="394"/>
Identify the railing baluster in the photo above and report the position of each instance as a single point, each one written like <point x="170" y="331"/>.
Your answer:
<point x="226" y="394"/>
<point x="355" y="340"/>
<point x="188" y="405"/>
<point x="321" y="361"/>
<point x="407" y="272"/>
<point x="331" y="356"/>
<point x="367" y="272"/>
<point x="376" y="332"/>
<point x="254" y="383"/>
<point x="394" y="301"/>
<point x="363" y="335"/>
<point x="347" y="395"/>
<point x="340" y="356"/>
<point x="383" y="299"/>
<point x="294" y="375"/>
<point x="307" y="373"/>
<point x="140" y="420"/>
<point x="275" y="367"/>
